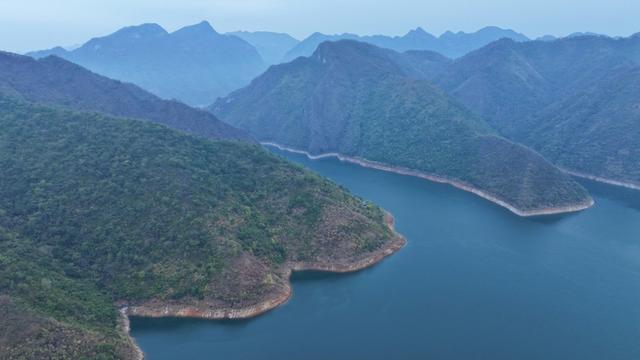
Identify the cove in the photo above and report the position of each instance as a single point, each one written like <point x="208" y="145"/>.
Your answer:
<point x="473" y="282"/>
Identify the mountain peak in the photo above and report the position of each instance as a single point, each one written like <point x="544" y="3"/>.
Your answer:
<point x="147" y="29"/>
<point x="357" y="57"/>
<point x="129" y="34"/>
<point x="492" y="28"/>
<point x="201" y="28"/>
<point x="418" y="32"/>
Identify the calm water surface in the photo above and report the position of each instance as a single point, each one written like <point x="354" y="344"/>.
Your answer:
<point x="473" y="282"/>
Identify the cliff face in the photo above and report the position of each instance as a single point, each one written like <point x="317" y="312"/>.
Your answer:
<point x="364" y="102"/>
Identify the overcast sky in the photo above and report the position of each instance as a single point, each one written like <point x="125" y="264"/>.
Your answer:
<point x="36" y="24"/>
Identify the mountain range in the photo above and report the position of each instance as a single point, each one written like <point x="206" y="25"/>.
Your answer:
<point x="575" y="100"/>
<point x="368" y="103"/>
<point x="449" y="44"/>
<point x="194" y="64"/>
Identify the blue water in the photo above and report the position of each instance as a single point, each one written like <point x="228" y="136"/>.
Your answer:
<point x="473" y="282"/>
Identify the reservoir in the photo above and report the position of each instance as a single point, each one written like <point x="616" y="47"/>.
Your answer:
<point x="473" y="282"/>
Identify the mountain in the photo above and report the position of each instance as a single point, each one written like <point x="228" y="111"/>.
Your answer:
<point x="547" y="38"/>
<point x="595" y="131"/>
<point x="450" y="44"/>
<point x="194" y="64"/>
<point x="99" y="214"/>
<point x="309" y="45"/>
<point x="55" y="81"/>
<point x="458" y="44"/>
<point x="572" y="99"/>
<point x="357" y="100"/>
<point x="587" y="33"/>
<point x="270" y="45"/>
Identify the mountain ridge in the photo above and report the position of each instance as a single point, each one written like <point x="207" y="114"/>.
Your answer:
<point x="194" y="64"/>
<point x="572" y="99"/>
<point x="357" y="100"/>
<point x="55" y="81"/>
<point x="448" y="44"/>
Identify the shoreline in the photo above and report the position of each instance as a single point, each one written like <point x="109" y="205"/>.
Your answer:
<point x="438" y="179"/>
<point x="274" y="300"/>
<point x="602" y="180"/>
<point x="126" y="328"/>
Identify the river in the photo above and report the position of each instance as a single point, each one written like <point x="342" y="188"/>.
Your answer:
<point x="473" y="282"/>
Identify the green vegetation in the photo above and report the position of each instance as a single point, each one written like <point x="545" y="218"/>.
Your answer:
<point x="596" y="131"/>
<point x="357" y="100"/>
<point x="574" y="100"/>
<point x="97" y="210"/>
<point x="59" y="83"/>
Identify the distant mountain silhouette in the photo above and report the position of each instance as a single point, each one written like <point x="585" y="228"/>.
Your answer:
<point x="271" y="46"/>
<point x="54" y="81"/>
<point x="365" y="102"/>
<point x="587" y="33"/>
<point x="449" y="44"/>
<point x="547" y="38"/>
<point x="194" y="64"/>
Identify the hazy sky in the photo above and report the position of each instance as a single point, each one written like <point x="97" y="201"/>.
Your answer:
<point x="35" y="24"/>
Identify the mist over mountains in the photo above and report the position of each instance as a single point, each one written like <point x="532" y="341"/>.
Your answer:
<point x="194" y="64"/>
<point x="270" y="45"/>
<point x="449" y="44"/>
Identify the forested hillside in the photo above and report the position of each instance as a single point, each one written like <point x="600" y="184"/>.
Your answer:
<point x="97" y="211"/>
<point x="362" y="101"/>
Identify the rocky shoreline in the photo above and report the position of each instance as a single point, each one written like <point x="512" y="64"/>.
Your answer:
<point x="125" y="324"/>
<point x="204" y="310"/>
<point x="441" y="180"/>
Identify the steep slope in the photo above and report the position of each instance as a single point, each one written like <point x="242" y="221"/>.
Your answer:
<point x="356" y="99"/>
<point x="270" y="45"/>
<point x="100" y="213"/>
<point x="58" y="82"/>
<point x="194" y="64"/>
<point x="506" y="81"/>
<point x="596" y="131"/>
<point x="449" y="44"/>
<point x="422" y="64"/>
<point x="573" y="99"/>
